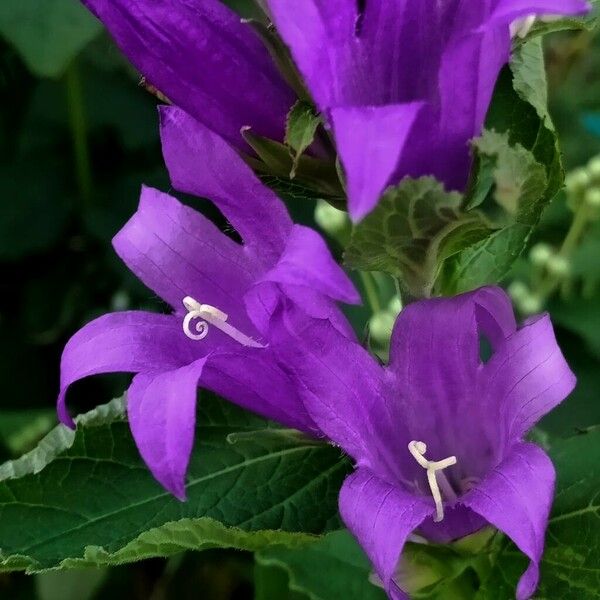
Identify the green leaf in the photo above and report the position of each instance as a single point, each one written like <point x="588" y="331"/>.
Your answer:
<point x="333" y="567"/>
<point x="516" y="178"/>
<point x="541" y="28"/>
<point x="486" y="262"/>
<point x="91" y="501"/>
<point x="452" y="571"/>
<point x="570" y="567"/>
<point x="518" y="113"/>
<point x="413" y="229"/>
<point x="47" y="33"/>
<point x="275" y="160"/>
<point x="301" y="127"/>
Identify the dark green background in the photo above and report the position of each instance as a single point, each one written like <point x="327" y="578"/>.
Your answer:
<point x="78" y="136"/>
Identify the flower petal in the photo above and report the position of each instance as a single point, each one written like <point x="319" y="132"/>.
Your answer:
<point x="435" y="361"/>
<point x="339" y="381"/>
<point x="202" y="164"/>
<point x="129" y="342"/>
<point x="204" y="59"/>
<point x="528" y="376"/>
<point x="263" y="299"/>
<point x="381" y="517"/>
<point x="252" y="379"/>
<point x="516" y="498"/>
<point x="161" y="408"/>
<point x="319" y="34"/>
<point x="307" y="262"/>
<point x="370" y="141"/>
<point x="177" y="252"/>
<point x="352" y="57"/>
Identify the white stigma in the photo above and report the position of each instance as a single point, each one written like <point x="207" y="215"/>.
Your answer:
<point x="434" y="469"/>
<point x="211" y="315"/>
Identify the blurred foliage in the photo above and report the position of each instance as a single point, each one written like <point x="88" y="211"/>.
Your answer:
<point x="78" y="136"/>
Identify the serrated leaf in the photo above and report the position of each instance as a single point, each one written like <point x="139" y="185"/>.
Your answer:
<point x="517" y="179"/>
<point x="47" y="33"/>
<point x="333" y="567"/>
<point x="570" y="567"/>
<point x="486" y="262"/>
<point x="85" y="498"/>
<point x="413" y="229"/>
<point x="517" y="112"/>
<point x="529" y="77"/>
<point x="301" y="127"/>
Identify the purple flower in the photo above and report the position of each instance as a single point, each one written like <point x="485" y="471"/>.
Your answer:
<point x="222" y="294"/>
<point x="404" y="84"/>
<point x="201" y="56"/>
<point x="438" y="434"/>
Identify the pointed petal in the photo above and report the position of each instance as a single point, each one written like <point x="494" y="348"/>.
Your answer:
<point x="516" y="498"/>
<point x="381" y="517"/>
<point x="204" y="59"/>
<point x="252" y="379"/>
<point x="126" y="342"/>
<point x="370" y="141"/>
<point x="177" y="252"/>
<point x="528" y="376"/>
<point x="161" y="408"/>
<point x="202" y="164"/>
<point x="307" y="262"/>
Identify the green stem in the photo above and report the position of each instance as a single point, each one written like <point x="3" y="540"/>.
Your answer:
<point x="77" y="121"/>
<point x="580" y="222"/>
<point x="371" y="291"/>
<point x="576" y="231"/>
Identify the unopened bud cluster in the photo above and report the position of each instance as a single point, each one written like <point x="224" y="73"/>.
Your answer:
<point x="525" y="299"/>
<point x="583" y="188"/>
<point x="543" y="256"/>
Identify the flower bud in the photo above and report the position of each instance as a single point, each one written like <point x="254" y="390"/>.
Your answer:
<point x="592" y="198"/>
<point x="577" y="181"/>
<point x="120" y="301"/>
<point x="530" y="304"/>
<point x="329" y="218"/>
<point x="593" y="169"/>
<point x="559" y="266"/>
<point x="381" y="325"/>
<point x="540" y="254"/>
<point x="517" y="290"/>
<point x="395" y="305"/>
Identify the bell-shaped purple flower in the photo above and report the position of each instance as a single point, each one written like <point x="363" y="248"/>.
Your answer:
<point x="222" y="294"/>
<point x="203" y="58"/>
<point x="437" y="435"/>
<point x="404" y="84"/>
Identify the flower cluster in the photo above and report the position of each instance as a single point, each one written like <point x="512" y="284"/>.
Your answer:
<point x="437" y="434"/>
<point x="403" y="85"/>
